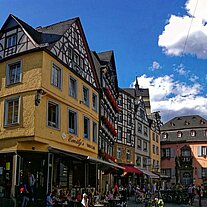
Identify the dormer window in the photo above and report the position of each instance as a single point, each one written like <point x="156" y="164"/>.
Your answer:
<point x="165" y="135"/>
<point x="202" y="122"/>
<point x="172" y="124"/>
<point x="193" y="133"/>
<point x="187" y="122"/>
<point x="179" y="134"/>
<point x="11" y="41"/>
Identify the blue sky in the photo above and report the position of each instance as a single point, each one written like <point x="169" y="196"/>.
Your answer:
<point x="163" y="42"/>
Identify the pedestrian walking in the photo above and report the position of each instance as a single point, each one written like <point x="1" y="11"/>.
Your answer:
<point x="200" y="195"/>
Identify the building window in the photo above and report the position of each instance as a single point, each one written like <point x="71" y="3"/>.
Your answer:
<point x="166" y="172"/>
<point x="118" y="153"/>
<point x="129" y="118"/>
<point x="157" y="138"/>
<point x="153" y="136"/>
<point x="76" y="58"/>
<point x="85" y="96"/>
<point x="138" y="161"/>
<point x="120" y="101"/>
<point x="153" y="149"/>
<point x="139" y="143"/>
<point x="128" y="103"/>
<point x="53" y="115"/>
<point x="144" y="162"/>
<point x="95" y="131"/>
<point x="144" y="146"/>
<point x="73" y="120"/>
<point x="186" y="152"/>
<point x="72" y="87"/>
<point x="120" y="116"/>
<point x="142" y="115"/>
<point x="139" y="128"/>
<point x="56" y="76"/>
<point x="145" y="131"/>
<point x="11" y="41"/>
<point x="14" y="73"/>
<point x="157" y="150"/>
<point x="205" y="133"/>
<point x="95" y="102"/>
<point x="119" y="133"/>
<point x="128" y="156"/>
<point x="165" y="152"/>
<point x="192" y="133"/>
<point x="179" y="134"/>
<point x="165" y="135"/>
<point x="128" y="136"/>
<point x="12" y="111"/>
<point x="86" y="128"/>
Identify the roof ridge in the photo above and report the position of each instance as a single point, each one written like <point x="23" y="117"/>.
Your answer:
<point x="51" y="25"/>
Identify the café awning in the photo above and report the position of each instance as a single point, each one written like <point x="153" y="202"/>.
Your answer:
<point x="99" y="161"/>
<point x="131" y="169"/>
<point x="150" y="174"/>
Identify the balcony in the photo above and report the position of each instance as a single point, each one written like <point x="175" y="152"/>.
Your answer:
<point x="184" y="160"/>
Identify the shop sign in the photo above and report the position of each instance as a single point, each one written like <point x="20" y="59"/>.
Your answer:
<point x="78" y="142"/>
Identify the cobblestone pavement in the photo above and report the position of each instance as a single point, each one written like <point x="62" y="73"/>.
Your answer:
<point x="131" y="203"/>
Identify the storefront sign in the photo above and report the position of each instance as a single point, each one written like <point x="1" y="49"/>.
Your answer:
<point x="78" y="142"/>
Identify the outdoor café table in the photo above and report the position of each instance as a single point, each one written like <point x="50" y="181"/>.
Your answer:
<point x="106" y="203"/>
<point x="114" y="201"/>
<point x="98" y="205"/>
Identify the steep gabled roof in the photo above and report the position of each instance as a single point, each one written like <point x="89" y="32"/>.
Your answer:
<point x="107" y="57"/>
<point x="32" y="33"/>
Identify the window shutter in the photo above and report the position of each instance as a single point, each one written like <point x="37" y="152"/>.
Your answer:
<point x="172" y="152"/>
<point x="199" y="172"/>
<point x="199" y="151"/>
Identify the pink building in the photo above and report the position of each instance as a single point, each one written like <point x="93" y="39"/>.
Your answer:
<point x="184" y="150"/>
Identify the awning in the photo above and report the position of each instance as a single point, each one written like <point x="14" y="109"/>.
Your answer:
<point x="131" y="169"/>
<point x="150" y="174"/>
<point x="66" y="153"/>
<point x="104" y="162"/>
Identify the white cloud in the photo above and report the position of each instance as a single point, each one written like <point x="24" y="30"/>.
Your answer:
<point x="193" y="78"/>
<point x="174" y="39"/>
<point x="174" y="98"/>
<point x="181" y="70"/>
<point x="155" y="66"/>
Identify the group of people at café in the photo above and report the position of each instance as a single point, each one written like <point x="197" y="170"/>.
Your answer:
<point x="87" y="199"/>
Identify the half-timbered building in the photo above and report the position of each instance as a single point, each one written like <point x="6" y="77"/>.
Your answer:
<point x="106" y="71"/>
<point x="49" y="107"/>
<point x="124" y="147"/>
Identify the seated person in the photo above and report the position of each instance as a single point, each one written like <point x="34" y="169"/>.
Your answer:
<point x="49" y="201"/>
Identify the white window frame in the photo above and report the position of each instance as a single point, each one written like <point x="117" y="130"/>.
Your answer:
<point x="85" y="100"/>
<point x="73" y="92"/>
<point x="6" y="111"/>
<point x="128" y="136"/>
<point x="95" y="132"/>
<point x="192" y="133"/>
<point x="8" y="68"/>
<point x="54" y="125"/>
<point x="119" y="137"/>
<point x="118" y="152"/>
<point x="128" y="154"/>
<point x="57" y="82"/>
<point x="75" y="122"/>
<point x="88" y="128"/>
<point x="95" y="104"/>
<point x="11" y="41"/>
